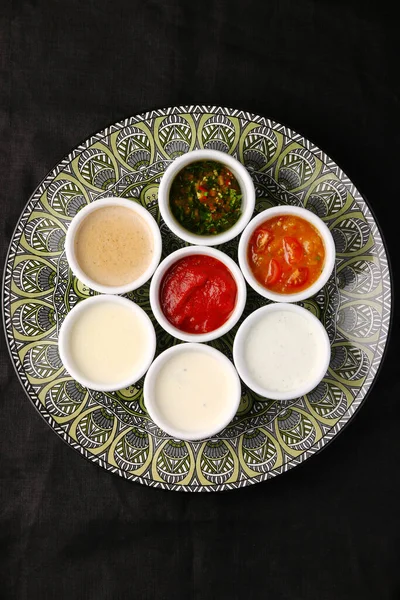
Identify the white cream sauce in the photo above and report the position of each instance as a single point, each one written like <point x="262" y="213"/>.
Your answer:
<point x="193" y="391"/>
<point x="107" y="342"/>
<point x="283" y="351"/>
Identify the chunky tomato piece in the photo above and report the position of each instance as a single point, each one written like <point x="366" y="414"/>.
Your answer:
<point x="273" y="273"/>
<point x="299" y="277"/>
<point x="263" y="238"/>
<point x="292" y="249"/>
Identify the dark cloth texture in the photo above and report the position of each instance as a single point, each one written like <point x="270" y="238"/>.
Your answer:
<point x="329" y="529"/>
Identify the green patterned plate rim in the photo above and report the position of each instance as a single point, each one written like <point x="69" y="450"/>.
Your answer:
<point x="266" y="437"/>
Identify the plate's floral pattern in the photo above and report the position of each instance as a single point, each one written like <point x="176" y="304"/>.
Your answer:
<point x="113" y="429"/>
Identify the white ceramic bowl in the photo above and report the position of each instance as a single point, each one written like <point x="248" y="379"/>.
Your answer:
<point x="68" y="360"/>
<point x="151" y="402"/>
<point x="245" y="183"/>
<point x="155" y="294"/>
<point x="327" y="239"/>
<point x="74" y="226"/>
<point x="241" y="364"/>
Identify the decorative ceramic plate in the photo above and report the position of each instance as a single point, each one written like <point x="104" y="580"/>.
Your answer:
<point x="113" y="430"/>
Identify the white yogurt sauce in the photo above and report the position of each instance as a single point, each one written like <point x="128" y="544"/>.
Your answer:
<point x="284" y="350"/>
<point x="107" y="343"/>
<point x="193" y="391"/>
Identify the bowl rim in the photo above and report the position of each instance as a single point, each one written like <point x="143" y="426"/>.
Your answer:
<point x="150" y="403"/>
<point x="73" y="229"/>
<point x="241" y="174"/>
<point x="159" y="275"/>
<point x="240" y="362"/>
<point x="65" y="330"/>
<point x="307" y="215"/>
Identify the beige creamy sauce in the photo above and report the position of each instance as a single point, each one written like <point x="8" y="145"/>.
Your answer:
<point x="193" y="391"/>
<point x="283" y="351"/>
<point x="113" y="245"/>
<point x="107" y="343"/>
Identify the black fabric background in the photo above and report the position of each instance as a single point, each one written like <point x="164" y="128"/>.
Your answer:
<point x="327" y="530"/>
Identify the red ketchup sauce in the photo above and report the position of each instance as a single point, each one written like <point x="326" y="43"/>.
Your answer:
<point x="198" y="294"/>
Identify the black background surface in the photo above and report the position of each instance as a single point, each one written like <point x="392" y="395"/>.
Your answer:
<point x="326" y="530"/>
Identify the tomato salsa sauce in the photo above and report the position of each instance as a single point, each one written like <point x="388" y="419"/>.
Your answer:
<point x="286" y="254"/>
<point x="205" y="198"/>
<point x="198" y="294"/>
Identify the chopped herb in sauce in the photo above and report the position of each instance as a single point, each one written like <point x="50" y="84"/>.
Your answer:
<point x="205" y="198"/>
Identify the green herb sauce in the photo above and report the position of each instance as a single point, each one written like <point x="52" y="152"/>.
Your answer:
<point x="205" y="198"/>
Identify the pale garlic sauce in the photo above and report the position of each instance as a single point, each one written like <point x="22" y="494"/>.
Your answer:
<point x="283" y="351"/>
<point x="193" y="391"/>
<point x="108" y="342"/>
